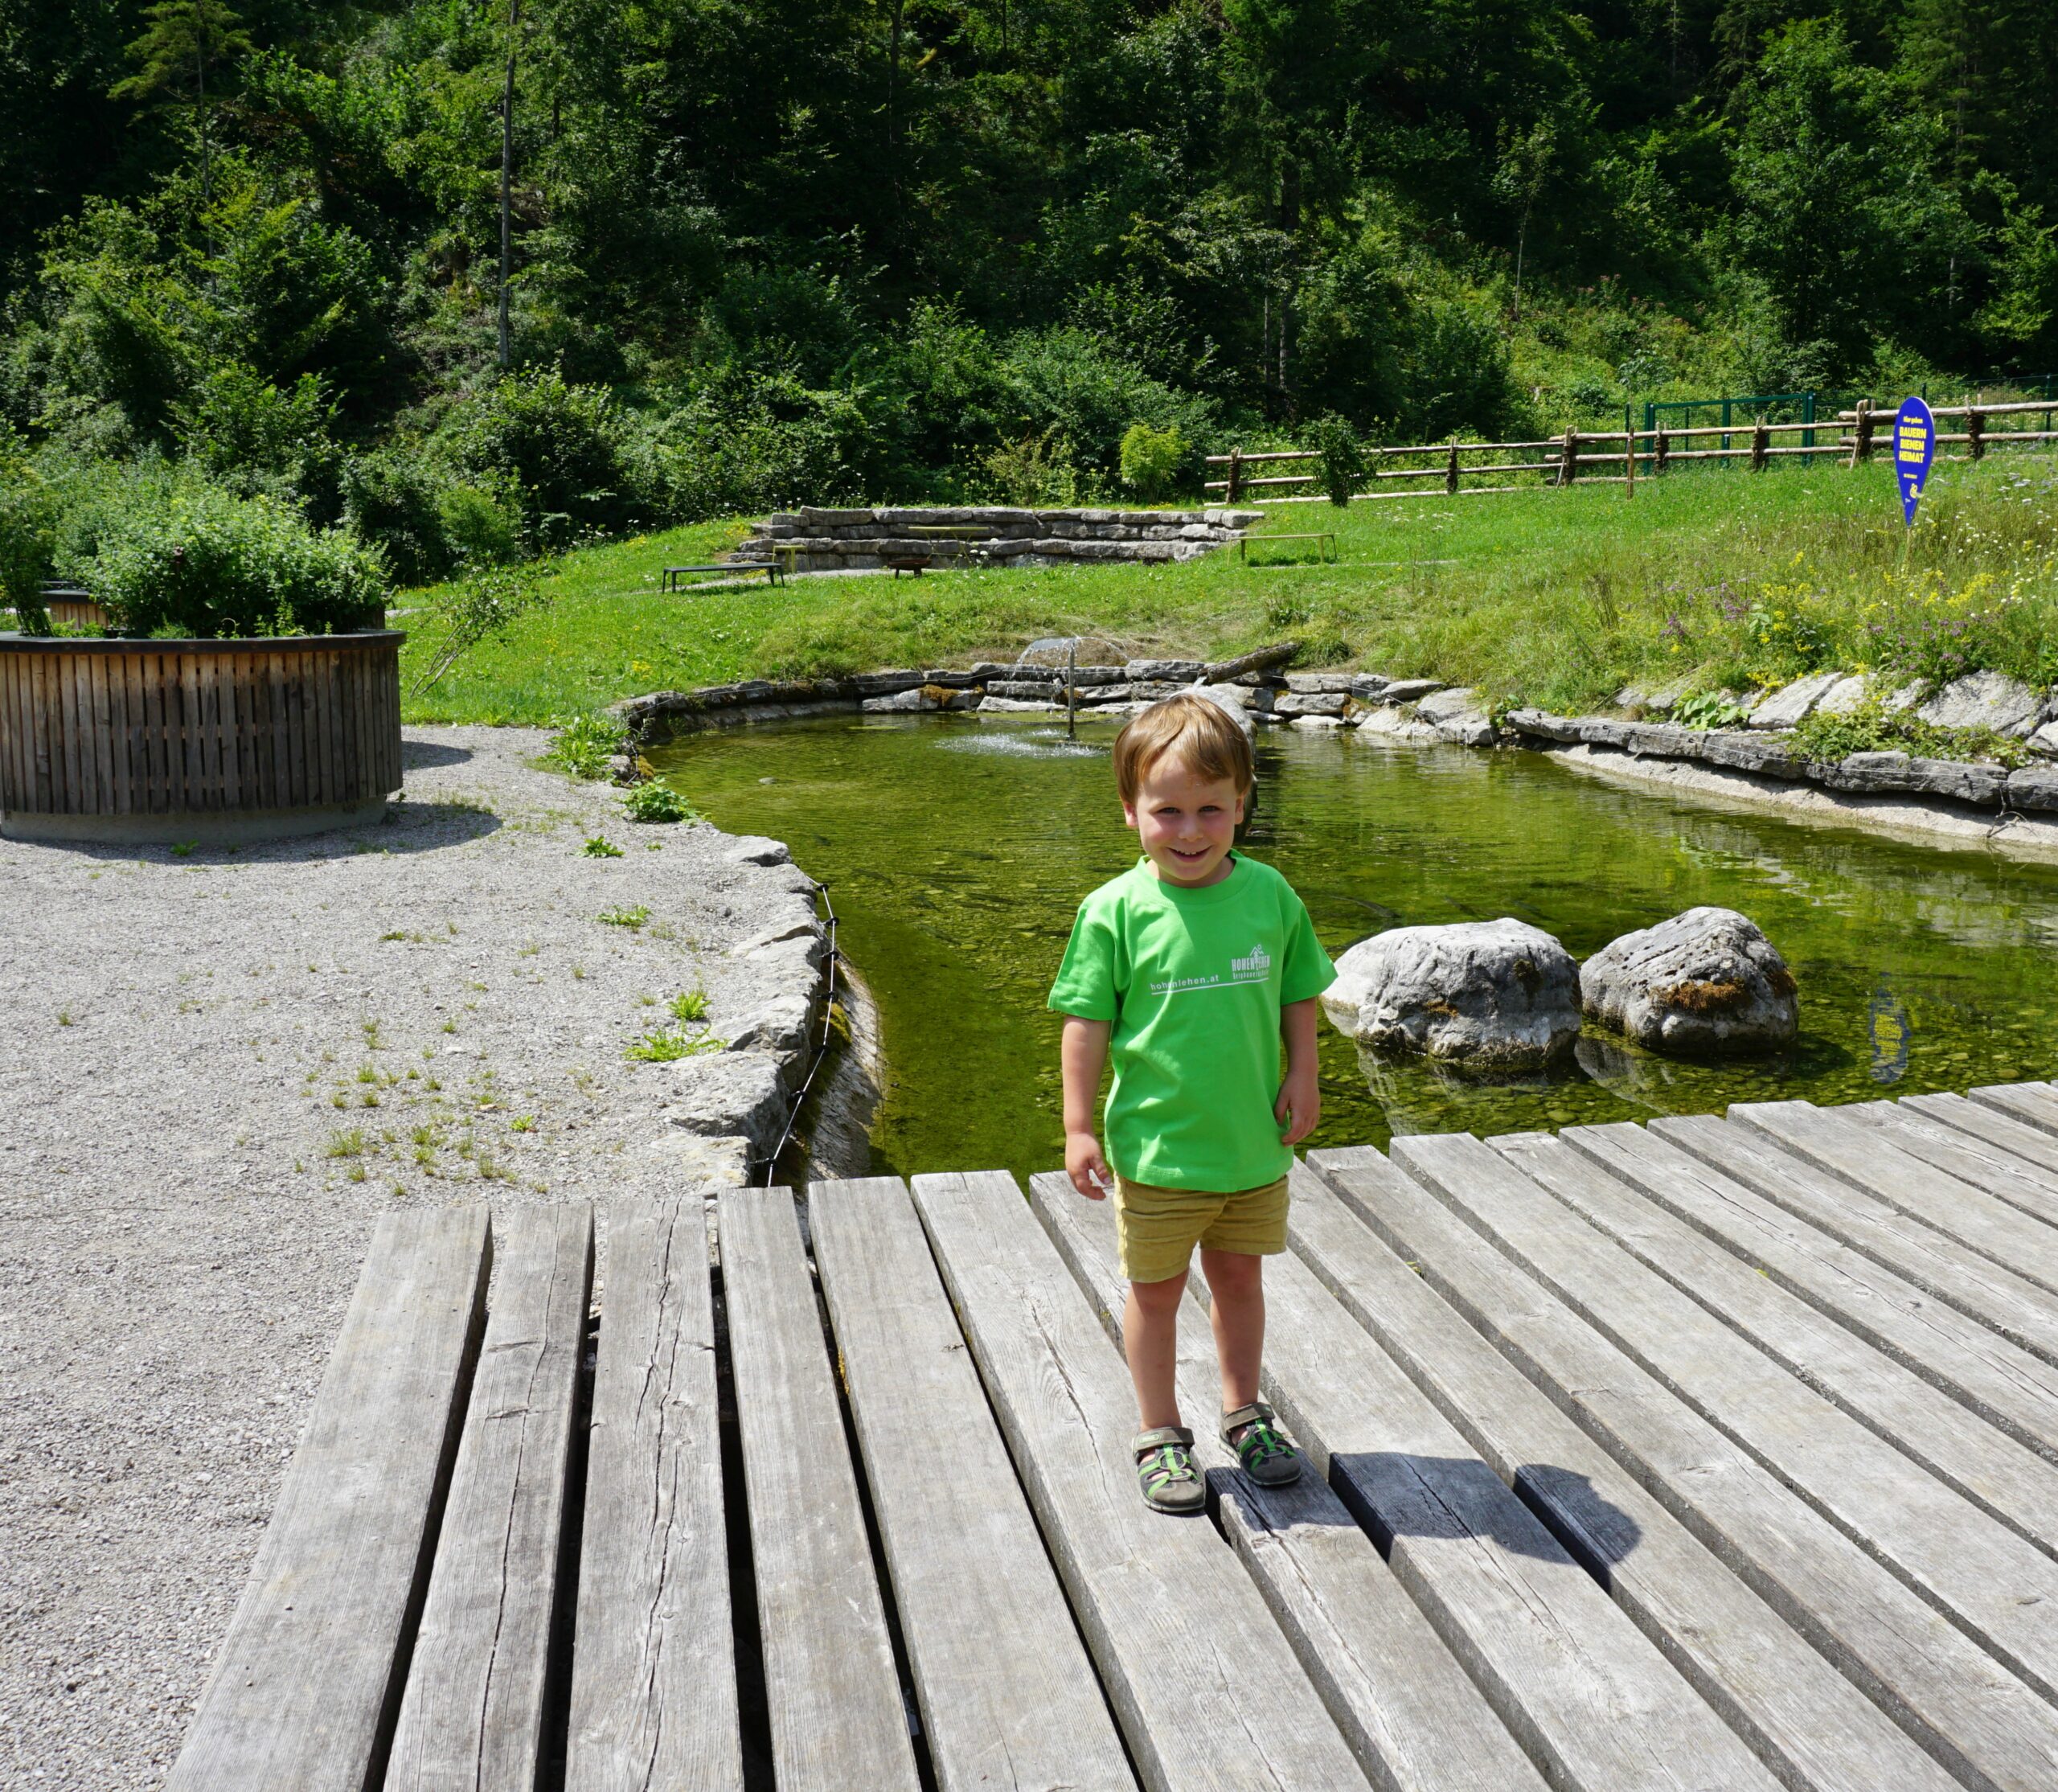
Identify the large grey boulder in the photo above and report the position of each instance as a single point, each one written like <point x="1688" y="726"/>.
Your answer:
<point x="1089" y="650"/>
<point x="1495" y="995"/>
<point x="1456" y="715"/>
<point x="1985" y="700"/>
<point x="1233" y="699"/>
<point x="1705" y="981"/>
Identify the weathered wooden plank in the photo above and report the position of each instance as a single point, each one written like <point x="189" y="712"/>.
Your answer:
<point x="2005" y="1384"/>
<point x="189" y="770"/>
<point x="1007" y="1694"/>
<point x="1811" y="1726"/>
<point x="1411" y="1714"/>
<point x="2000" y="1587"/>
<point x="1967" y="1157"/>
<point x="1204" y="1683"/>
<point x="474" y="1712"/>
<point x="1978" y="1287"/>
<point x="1978" y="1720"/>
<point x="1821" y="1137"/>
<point x="305" y="1691"/>
<point x="654" y="1684"/>
<point x="1992" y="1125"/>
<point x="75" y="754"/>
<point x="836" y="1711"/>
<point x="2034" y="1103"/>
<point x="2001" y="1476"/>
<point x="111" y="671"/>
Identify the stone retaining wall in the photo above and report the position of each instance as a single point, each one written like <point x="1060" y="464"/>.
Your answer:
<point x="839" y="540"/>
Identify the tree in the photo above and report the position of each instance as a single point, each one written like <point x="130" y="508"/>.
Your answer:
<point x="185" y="37"/>
<point x="1525" y="165"/>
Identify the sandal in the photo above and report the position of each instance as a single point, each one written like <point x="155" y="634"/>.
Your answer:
<point x="1165" y="1470"/>
<point x="1266" y="1453"/>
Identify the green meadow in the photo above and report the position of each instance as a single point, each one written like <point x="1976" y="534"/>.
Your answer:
<point x="1705" y="579"/>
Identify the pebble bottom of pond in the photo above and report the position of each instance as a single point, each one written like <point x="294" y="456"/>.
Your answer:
<point x="955" y="851"/>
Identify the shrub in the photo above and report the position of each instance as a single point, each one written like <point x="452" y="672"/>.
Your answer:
<point x="559" y="449"/>
<point x="29" y="512"/>
<point x="206" y="563"/>
<point x="483" y="607"/>
<point x="1152" y="461"/>
<point x="585" y="744"/>
<point x="1340" y="461"/>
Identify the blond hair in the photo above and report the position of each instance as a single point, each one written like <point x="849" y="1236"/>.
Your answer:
<point x="1208" y="740"/>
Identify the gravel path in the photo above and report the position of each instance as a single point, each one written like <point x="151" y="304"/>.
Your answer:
<point x="216" y="1072"/>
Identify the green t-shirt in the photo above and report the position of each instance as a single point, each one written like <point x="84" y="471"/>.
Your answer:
<point x="1194" y="980"/>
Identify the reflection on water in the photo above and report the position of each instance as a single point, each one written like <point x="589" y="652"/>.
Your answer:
<point x="957" y="849"/>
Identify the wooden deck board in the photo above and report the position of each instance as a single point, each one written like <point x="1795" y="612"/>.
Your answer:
<point x="1975" y="1284"/>
<point x="2035" y="1103"/>
<point x="653" y="1683"/>
<point x="1972" y="1714"/>
<point x="2024" y="1142"/>
<point x="1008" y="1697"/>
<point x="1965" y="1156"/>
<point x="1805" y="1719"/>
<point x="1875" y="1164"/>
<point x="838" y="1719"/>
<point x="1205" y="1684"/>
<point x="2001" y="1588"/>
<point x="2005" y="1384"/>
<point x="478" y="1688"/>
<point x="307" y="1685"/>
<point x="1413" y="1717"/>
<point x="1998" y="1474"/>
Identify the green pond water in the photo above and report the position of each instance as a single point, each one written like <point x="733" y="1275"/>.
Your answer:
<point x="956" y="851"/>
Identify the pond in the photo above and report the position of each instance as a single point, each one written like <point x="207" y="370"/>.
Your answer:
<point x="956" y="851"/>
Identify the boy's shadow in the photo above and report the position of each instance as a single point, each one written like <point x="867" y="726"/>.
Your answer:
<point x="1551" y="1511"/>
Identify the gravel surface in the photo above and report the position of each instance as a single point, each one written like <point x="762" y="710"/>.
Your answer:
<point x="216" y="1070"/>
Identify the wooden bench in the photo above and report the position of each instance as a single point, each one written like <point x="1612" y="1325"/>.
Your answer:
<point x="1318" y="536"/>
<point x="669" y="582"/>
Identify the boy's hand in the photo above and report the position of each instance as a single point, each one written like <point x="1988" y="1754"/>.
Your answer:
<point x="1088" y="1169"/>
<point x="1299" y="1105"/>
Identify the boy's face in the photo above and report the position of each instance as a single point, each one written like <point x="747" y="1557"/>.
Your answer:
<point x="1186" y="822"/>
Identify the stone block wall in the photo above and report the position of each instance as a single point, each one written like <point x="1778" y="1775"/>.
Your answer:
<point x="837" y="540"/>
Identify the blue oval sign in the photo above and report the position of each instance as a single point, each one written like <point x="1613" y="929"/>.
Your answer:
<point x="1915" y="447"/>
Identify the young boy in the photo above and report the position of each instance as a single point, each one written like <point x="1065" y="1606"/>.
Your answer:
<point x="1192" y="964"/>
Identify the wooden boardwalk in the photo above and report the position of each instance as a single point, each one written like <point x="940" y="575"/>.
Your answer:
<point x="1710" y="1455"/>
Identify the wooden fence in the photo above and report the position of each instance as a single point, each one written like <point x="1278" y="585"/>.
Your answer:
<point x="1563" y="460"/>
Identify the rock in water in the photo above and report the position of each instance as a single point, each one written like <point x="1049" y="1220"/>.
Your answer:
<point x="1495" y="994"/>
<point x="1705" y="981"/>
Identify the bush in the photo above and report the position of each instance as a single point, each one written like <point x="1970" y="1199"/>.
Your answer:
<point x="207" y="564"/>
<point x="29" y="514"/>
<point x="1340" y="461"/>
<point x="585" y="744"/>
<point x="558" y="449"/>
<point x="653" y="802"/>
<point x="1152" y="461"/>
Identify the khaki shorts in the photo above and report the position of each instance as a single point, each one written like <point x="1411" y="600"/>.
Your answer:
<point x="1157" y="1228"/>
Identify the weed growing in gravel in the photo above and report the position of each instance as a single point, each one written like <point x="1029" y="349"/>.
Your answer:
<point x="347" y="1144"/>
<point x="413" y="939"/>
<point x="523" y="1123"/>
<point x="653" y="802"/>
<point x="632" y="916"/>
<point x="367" y="1073"/>
<point x="585" y="744"/>
<point x="530" y="949"/>
<point x="450" y="1026"/>
<point x="690" y="1004"/>
<point x="184" y="849"/>
<point x="63" y="1017"/>
<point x="665" y="1044"/>
<point x="599" y="846"/>
<point x="338" y="1099"/>
<point x="372" y="1042"/>
<point x="578" y="973"/>
<point x="356" y="1173"/>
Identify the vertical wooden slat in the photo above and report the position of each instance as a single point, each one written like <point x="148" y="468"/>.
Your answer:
<point x="295" y="736"/>
<point x="229" y="680"/>
<point x="188" y="772"/>
<point x="163" y="704"/>
<point x="13" y="759"/>
<point x="64" y="757"/>
<point x="104" y="741"/>
<point x="119" y="744"/>
<point x="321" y="694"/>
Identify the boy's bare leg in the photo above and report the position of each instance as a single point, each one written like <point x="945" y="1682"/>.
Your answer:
<point x="1150" y="1340"/>
<point x="1235" y="1307"/>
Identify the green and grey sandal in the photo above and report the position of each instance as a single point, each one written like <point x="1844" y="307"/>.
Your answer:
<point x="1266" y="1453"/>
<point x="1165" y="1470"/>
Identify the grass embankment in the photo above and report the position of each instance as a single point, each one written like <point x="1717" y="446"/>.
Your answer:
<point x="1717" y="578"/>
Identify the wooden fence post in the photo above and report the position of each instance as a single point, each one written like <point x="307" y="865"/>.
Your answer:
<point x="1975" y="434"/>
<point x="1861" y="438"/>
<point x="1235" y="478"/>
<point x="1760" y="441"/>
<point x="1569" y="459"/>
<point x="1629" y="463"/>
<point x="1664" y="450"/>
<point x="1450" y="473"/>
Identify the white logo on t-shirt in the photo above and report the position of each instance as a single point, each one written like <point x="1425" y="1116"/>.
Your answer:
<point x="1255" y="969"/>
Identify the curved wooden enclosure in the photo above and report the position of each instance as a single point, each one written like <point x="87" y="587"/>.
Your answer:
<point x="138" y="741"/>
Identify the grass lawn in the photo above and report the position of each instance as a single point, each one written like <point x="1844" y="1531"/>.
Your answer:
<point x="1552" y="597"/>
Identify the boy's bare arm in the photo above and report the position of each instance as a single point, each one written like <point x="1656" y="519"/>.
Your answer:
<point x="1083" y="1054"/>
<point x="1299" y="1105"/>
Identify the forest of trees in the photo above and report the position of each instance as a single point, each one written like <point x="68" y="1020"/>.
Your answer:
<point x="760" y="251"/>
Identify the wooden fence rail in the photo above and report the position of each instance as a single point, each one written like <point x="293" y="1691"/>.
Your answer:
<point x="1854" y="434"/>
